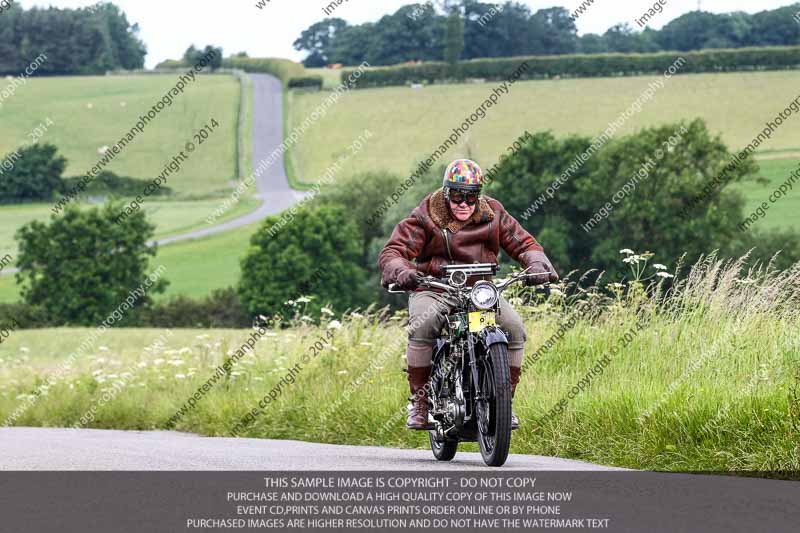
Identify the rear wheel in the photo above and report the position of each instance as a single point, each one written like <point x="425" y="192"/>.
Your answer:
<point x="443" y="450"/>
<point x="494" y="410"/>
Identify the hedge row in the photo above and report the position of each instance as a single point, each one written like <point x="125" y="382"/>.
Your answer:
<point x="222" y="309"/>
<point x="306" y="82"/>
<point x="283" y="69"/>
<point x="582" y="65"/>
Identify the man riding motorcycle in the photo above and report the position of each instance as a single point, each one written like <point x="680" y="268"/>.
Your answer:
<point x="455" y="225"/>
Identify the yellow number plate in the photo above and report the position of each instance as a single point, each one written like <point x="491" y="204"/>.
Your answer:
<point x="479" y="320"/>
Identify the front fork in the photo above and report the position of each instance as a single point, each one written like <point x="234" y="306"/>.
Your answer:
<point x="486" y="338"/>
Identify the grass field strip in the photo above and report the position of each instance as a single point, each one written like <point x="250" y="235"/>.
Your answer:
<point x="88" y="343"/>
<point x="289" y="379"/>
<point x="640" y="175"/>
<point x="320" y="111"/>
<point x="184" y="80"/>
<point x="694" y="366"/>
<point x="761" y="211"/>
<point x="11" y="89"/>
<point x="477" y="115"/>
<point x="376" y="364"/>
<point x="580" y="159"/>
<point x="9" y="162"/>
<point x="595" y="371"/>
<point x="723" y="177"/>
<point x="222" y="371"/>
<point x="173" y="167"/>
<point x="120" y="381"/>
<point x="327" y="179"/>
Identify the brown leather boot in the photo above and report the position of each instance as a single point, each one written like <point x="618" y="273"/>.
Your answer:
<point x="515" y="373"/>
<point x="417" y="380"/>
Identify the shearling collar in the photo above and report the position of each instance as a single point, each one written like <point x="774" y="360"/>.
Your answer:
<point x="440" y="213"/>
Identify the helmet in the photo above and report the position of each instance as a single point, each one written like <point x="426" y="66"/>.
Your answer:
<point x="463" y="175"/>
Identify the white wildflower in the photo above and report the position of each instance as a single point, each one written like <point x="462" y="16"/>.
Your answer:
<point x="659" y="266"/>
<point x="342" y="372"/>
<point x="303" y="300"/>
<point x="665" y="275"/>
<point x="334" y="324"/>
<point x="306" y="318"/>
<point x="180" y="376"/>
<point x="626" y="251"/>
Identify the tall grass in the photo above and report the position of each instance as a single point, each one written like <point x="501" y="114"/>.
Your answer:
<point x="708" y="382"/>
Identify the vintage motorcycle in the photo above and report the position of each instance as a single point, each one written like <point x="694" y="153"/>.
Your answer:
<point x="469" y="396"/>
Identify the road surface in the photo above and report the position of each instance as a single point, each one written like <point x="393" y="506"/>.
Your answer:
<point x="272" y="187"/>
<point x="46" y="449"/>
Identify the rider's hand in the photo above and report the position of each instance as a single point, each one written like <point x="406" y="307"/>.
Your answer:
<point x="540" y="270"/>
<point x="409" y="279"/>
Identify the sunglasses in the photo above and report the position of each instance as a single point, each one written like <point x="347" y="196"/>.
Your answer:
<point x="459" y="198"/>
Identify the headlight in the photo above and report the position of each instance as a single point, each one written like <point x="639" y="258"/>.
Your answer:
<point x="484" y="295"/>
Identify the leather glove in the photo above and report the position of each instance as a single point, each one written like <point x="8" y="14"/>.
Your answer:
<point x="409" y="279"/>
<point x="539" y="264"/>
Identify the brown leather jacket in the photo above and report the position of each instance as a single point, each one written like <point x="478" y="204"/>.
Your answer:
<point x="433" y="238"/>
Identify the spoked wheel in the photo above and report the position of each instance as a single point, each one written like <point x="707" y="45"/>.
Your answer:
<point x="494" y="412"/>
<point x="443" y="450"/>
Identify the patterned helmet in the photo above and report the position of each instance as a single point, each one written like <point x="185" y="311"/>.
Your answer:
<point x="464" y="175"/>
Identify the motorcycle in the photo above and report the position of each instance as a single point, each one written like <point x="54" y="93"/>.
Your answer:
<point x="469" y="394"/>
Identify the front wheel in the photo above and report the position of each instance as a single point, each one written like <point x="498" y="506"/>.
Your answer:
<point x="494" y="410"/>
<point x="443" y="450"/>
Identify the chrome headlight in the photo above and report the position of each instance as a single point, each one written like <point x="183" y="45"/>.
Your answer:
<point x="484" y="295"/>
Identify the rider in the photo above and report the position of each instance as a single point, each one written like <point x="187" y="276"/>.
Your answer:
<point x="455" y="225"/>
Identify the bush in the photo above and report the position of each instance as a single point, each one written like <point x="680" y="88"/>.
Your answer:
<point x="306" y="251"/>
<point x="82" y="266"/>
<point x="283" y="69"/>
<point x="306" y="82"/>
<point x="583" y="65"/>
<point x="107" y="182"/>
<point x="222" y="309"/>
<point x="31" y="173"/>
<point x="582" y="226"/>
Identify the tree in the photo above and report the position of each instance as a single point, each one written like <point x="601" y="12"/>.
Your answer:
<point x="647" y="218"/>
<point x="454" y="43"/>
<point x="73" y="41"/>
<point x="212" y="55"/>
<point x="317" y="40"/>
<point x="82" y="266"/>
<point x="314" y="252"/>
<point x="35" y="174"/>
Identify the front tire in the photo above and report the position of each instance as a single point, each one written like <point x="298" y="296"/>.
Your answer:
<point x="443" y="450"/>
<point x="494" y="415"/>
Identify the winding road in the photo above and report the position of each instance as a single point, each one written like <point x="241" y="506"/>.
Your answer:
<point x="272" y="186"/>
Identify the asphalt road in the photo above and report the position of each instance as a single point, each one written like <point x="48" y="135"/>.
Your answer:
<point x="46" y="449"/>
<point x="272" y="186"/>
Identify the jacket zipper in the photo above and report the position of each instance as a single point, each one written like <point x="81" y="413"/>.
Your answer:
<point x="447" y="244"/>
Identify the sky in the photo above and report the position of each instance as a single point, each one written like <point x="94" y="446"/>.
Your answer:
<point x="168" y="27"/>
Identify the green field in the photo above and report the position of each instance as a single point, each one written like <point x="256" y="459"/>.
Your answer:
<point x="410" y="124"/>
<point x="194" y="268"/>
<point x="116" y="103"/>
<point x="706" y="383"/>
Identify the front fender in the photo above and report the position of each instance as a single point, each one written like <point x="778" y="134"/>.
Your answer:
<point x="492" y="335"/>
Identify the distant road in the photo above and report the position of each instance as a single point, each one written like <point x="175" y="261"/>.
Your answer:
<point x="93" y="449"/>
<point x="272" y="187"/>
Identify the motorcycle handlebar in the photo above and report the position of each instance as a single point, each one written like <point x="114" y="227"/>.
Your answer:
<point x="433" y="283"/>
